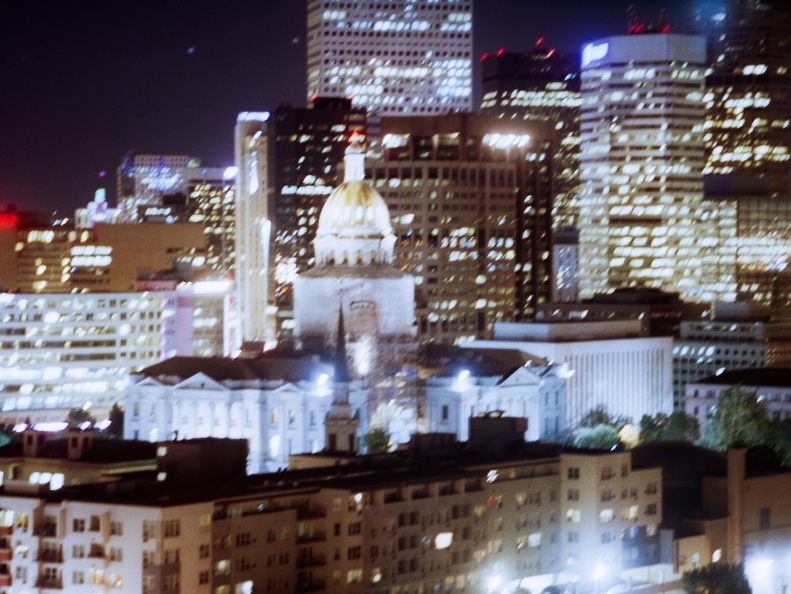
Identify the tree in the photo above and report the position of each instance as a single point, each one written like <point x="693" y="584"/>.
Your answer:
<point x="78" y="416"/>
<point x="376" y="441"/>
<point x="679" y="426"/>
<point x="600" y="416"/>
<point x="116" y="417"/>
<point x="600" y="437"/>
<point x="716" y="578"/>
<point x="739" y="419"/>
<point x="651" y="427"/>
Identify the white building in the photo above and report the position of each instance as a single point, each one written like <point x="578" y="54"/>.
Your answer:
<point x="609" y="364"/>
<point x="85" y="546"/>
<point x="354" y="273"/>
<point x="253" y="230"/>
<point x="280" y="403"/>
<point x="63" y="351"/>
<point x="739" y="336"/>
<point x="643" y="221"/>
<point x="394" y="58"/>
<point x="771" y="385"/>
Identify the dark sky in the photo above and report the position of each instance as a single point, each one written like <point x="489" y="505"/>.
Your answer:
<point x="84" y="82"/>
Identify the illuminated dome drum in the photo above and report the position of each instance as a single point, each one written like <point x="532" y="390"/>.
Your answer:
<point x="354" y="272"/>
<point x="354" y="225"/>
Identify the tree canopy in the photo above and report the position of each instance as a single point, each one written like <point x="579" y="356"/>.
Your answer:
<point x="600" y="416"/>
<point x="600" y="437"/>
<point x="376" y="441"/>
<point x="678" y="426"/>
<point x="740" y="419"/>
<point x="716" y="578"/>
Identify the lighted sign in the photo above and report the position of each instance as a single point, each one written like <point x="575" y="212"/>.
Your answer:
<point x="593" y="52"/>
<point x="8" y="221"/>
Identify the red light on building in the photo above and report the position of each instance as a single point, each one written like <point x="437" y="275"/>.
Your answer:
<point x="665" y="29"/>
<point x="500" y="52"/>
<point x="550" y="52"/>
<point x="539" y="41"/>
<point x="8" y="220"/>
<point x="484" y="56"/>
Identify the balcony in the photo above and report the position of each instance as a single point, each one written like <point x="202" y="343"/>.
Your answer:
<point x="6" y="554"/>
<point x="6" y="530"/>
<point x="49" y="582"/>
<point x="45" y="530"/>
<point x="50" y="556"/>
<point x="307" y="561"/>
<point x="316" y="585"/>
<point x="5" y="580"/>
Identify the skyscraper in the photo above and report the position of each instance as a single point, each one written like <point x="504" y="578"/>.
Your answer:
<point x="392" y="56"/>
<point x="643" y="220"/>
<point x="471" y="199"/>
<point x="748" y="91"/>
<point x="307" y="145"/>
<point x="253" y="229"/>
<point x="144" y="179"/>
<point x="541" y="84"/>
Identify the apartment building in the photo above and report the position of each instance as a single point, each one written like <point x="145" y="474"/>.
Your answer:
<point x="451" y="518"/>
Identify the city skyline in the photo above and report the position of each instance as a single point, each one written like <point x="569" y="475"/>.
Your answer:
<point x="88" y="86"/>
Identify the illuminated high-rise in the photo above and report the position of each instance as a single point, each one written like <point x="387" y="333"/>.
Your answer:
<point x="748" y="91"/>
<point x="144" y="179"/>
<point x="542" y="84"/>
<point x="643" y="220"/>
<point x="255" y="301"/>
<point x="307" y="145"/>
<point x="394" y="57"/>
<point x="470" y="199"/>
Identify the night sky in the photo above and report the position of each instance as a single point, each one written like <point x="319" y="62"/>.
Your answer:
<point x="82" y="83"/>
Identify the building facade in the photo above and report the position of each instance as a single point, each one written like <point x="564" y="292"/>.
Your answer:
<point x="307" y="147"/>
<point x="391" y="57"/>
<point x="279" y="404"/>
<point x="608" y="364"/>
<point x="64" y="351"/>
<point x="470" y="199"/>
<point x="403" y="525"/>
<point x="108" y="257"/>
<point x="770" y="385"/>
<point x="747" y="91"/>
<point x="255" y="294"/>
<point x="144" y="179"/>
<point x="727" y="343"/>
<point x="643" y="221"/>
<point x="541" y="84"/>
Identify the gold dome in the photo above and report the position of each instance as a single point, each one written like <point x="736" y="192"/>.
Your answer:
<point x="354" y="209"/>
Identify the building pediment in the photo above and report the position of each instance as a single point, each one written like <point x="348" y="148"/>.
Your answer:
<point x="289" y="389"/>
<point x="522" y="376"/>
<point x="200" y="381"/>
<point x="149" y="382"/>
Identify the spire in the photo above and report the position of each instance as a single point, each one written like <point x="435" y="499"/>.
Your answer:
<point x="340" y="427"/>
<point x="354" y="160"/>
<point x="341" y="366"/>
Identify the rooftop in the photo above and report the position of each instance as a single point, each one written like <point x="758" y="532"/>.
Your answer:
<point x="774" y="377"/>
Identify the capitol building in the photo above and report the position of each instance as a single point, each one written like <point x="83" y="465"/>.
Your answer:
<point x="355" y="304"/>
